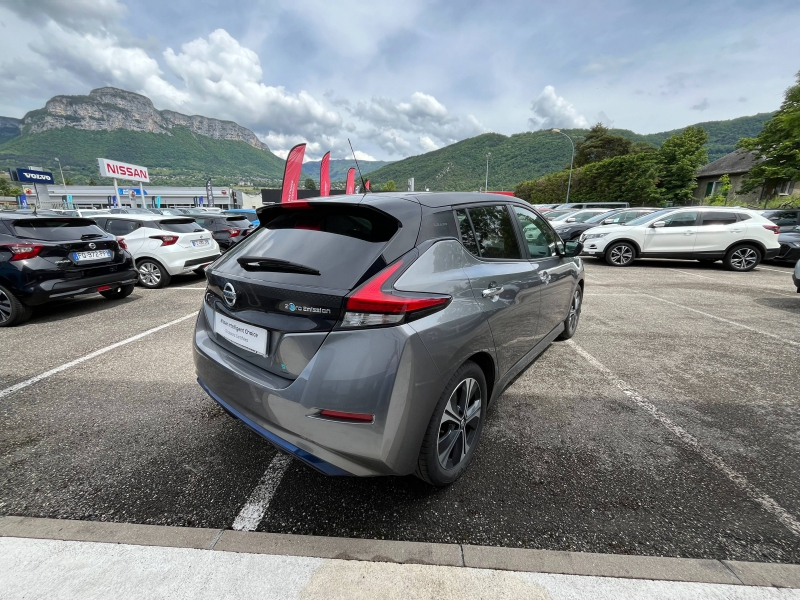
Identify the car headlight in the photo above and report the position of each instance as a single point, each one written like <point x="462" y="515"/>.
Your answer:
<point x="594" y="235"/>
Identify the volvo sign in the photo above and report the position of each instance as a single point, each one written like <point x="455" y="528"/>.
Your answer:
<point x="34" y="176"/>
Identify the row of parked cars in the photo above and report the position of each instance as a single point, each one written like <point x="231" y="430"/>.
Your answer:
<point x="48" y="255"/>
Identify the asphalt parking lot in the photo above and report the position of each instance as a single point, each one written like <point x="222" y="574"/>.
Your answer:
<point x="669" y="425"/>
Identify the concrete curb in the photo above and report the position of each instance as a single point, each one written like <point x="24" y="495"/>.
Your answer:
<point x="452" y="555"/>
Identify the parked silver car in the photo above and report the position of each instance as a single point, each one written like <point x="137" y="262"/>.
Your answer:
<point x="367" y="335"/>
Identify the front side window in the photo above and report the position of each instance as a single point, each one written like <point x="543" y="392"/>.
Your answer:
<point x="680" y="219"/>
<point x="494" y="232"/>
<point x="539" y="237"/>
<point x="719" y="218"/>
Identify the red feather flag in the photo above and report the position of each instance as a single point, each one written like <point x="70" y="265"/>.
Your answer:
<point x="350" y="188"/>
<point x="325" y="175"/>
<point x="291" y="174"/>
<point x="366" y="185"/>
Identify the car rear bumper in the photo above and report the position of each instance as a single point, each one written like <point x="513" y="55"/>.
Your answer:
<point x="385" y="372"/>
<point x="771" y="253"/>
<point x="56" y="289"/>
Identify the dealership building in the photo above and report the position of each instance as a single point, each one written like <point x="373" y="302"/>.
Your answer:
<point x="102" y="196"/>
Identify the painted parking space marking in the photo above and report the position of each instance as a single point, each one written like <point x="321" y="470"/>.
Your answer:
<point x="692" y="274"/>
<point x="256" y="506"/>
<point x="28" y="382"/>
<point x="724" y="320"/>
<point x="787" y="272"/>
<point x="769" y="504"/>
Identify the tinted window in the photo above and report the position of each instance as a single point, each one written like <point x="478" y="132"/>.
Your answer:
<point x="539" y="237"/>
<point x="495" y="232"/>
<point x="180" y="226"/>
<point x="624" y="217"/>
<point x="437" y="225"/>
<point x="681" y="219"/>
<point x="56" y="230"/>
<point x="583" y="216"/>
<point x="603" y="217"/>
<point x="782" y="217"/>
<point x="467" y="234"/>
<point x="240" y="221"/>
<point x="121" y="226"/>
<point x="719" y="218"/>
<point x="653" y="216"/>
<point x="358" y="222"/>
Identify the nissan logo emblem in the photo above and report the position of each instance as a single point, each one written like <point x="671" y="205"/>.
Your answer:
<point x="92" y="246"/>
<point x="230" y="294"/>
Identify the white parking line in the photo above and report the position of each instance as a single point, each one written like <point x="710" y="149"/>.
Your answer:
<point x="786" y="518"/>
<point x="692" y="274"/>
<point x="773" y="270"/>
<point x="253" y="510"/>
<point x="23" y="384"/>
<point x="743" y="326"/>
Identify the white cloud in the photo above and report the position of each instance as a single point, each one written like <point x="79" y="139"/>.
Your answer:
<point x="550" y="110"/>
<point x="364" y="156"/>
<point x="427" y="144"/>
<point x="702" y="105"/>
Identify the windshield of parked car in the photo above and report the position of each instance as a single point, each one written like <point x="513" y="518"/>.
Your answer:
<point x="181" y="225"/>
<point x="57" y="230"/>
<point x="138" y="211"/>
<point x="602" y="216"/>
<point x="554" y="214"/>
<point x="580" y="216"/>
<point x="650" y="217"/>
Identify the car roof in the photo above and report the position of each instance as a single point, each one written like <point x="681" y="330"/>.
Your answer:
<point x="150" y="217"/>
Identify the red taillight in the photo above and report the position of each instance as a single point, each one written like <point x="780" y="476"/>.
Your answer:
<point x="233" y="231"/>
<point x="376" y="302"/>
<point x="347" y="416"/>
<point x="773" y="228"/>
<point x="166" y="240"/>
<point x="103" y="288"/>
<point x="24" y="251"/>
<point x="122" y="243"/>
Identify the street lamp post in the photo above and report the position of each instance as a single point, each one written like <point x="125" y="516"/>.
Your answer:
<point x="63" y="182"/>
<point x="571" y="160"/>
<point x="486" y="188"/>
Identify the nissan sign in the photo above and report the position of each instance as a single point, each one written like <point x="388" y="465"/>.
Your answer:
<point x="32" y="176"/>
<point x="120" y="170"/>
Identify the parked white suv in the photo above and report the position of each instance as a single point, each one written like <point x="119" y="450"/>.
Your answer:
<point x="741" y="238"/>
<point x="163" y="245"/>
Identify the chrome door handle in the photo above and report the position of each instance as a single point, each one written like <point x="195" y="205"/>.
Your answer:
<point x="737" y="230"/>
<point x="493" y="291"/>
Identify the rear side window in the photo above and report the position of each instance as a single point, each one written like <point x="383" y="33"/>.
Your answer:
<point x="121" y="226"/>
<point x="719" y="218"/>
<point x="358" y="222"/>
<point x="242" y="222"/>
<point x="494" y="232"/>
<point x="56" y="230"/>
<point x="180" y="226"/>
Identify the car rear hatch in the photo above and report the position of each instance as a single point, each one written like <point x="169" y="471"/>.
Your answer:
<point x="191" y="236"/>
<point x="291" y="275"/>
<point x="76" y="247"/>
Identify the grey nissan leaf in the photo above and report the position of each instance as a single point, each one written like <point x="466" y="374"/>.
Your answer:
<point x="367" y="335"/>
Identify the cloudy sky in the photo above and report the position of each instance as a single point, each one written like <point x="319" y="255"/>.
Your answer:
<point x="402" y="78"/>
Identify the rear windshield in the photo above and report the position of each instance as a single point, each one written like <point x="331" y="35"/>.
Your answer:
<point x="357" y="222"/>
<point x="180" y="225"/>
<point x="239" y="221"/>
<point x="57" y="230"/>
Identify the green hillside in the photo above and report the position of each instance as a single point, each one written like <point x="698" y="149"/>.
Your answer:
<point x="462" y="166"/>
<point x="339" y="168"/>
<point x="180" y="159"/>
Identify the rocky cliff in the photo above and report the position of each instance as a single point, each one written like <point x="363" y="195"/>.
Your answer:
<point x="107" y="109"/>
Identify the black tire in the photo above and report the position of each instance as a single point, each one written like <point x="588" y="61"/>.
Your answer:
<point x="620" y="254"/>
<point x="12" y="311"/>
<point x="463" y="424"/>
<point x="118" y="293"/>
<point x="573" y="318"/>
<point x="743" y="258"/>
<point x="152" y="274"/>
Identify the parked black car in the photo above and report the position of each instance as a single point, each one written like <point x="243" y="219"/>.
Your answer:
<point x="786" y="219"/>
<point x="572" y="231"/>
<point x="51" y="258"/>
<point x="227" y="230"/>
<point x="790" y="246"/>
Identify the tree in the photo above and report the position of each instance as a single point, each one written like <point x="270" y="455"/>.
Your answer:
<point x="92" y="181"/>
<point x="8" y="189"/>
<point x="599" y="145"/>
<point x="67" y="180"/>
<point x="778" y="143"/>
<point x="389" y="186"/>
<point x="721" y="197"/>
<point x="679" y="158"/>
<point x="310" y="184"/>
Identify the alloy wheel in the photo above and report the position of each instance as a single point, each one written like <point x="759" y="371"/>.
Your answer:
<point x="574" y="310"/>
<point x="149" y="274"/>
<point x="743" y="258"/>
<point x="460" y="422"/>
<point x="621" y="255"/>
<point x="5" y="307"/>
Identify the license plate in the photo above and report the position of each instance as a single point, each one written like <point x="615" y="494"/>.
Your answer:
<point x="199" y="243"/>
<point x="241" y="334"/>
<point x="91" y="255"/>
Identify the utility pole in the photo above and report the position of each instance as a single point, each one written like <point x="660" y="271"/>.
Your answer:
<point x="63" y="184"/>
<point x="486" y="187"/>
<point x="571" y="160"/>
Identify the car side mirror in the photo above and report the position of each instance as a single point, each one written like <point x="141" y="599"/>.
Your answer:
<point x="572" y="249"/>
<point x="571" y="220"/>
<point x="658" y="224"/>
<point x="608" y="221"/>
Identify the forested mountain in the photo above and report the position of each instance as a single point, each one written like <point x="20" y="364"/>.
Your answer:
<point x="524" y="156"/>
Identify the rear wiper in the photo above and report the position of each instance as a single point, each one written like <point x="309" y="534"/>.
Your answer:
<point x="257" y="263"/>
